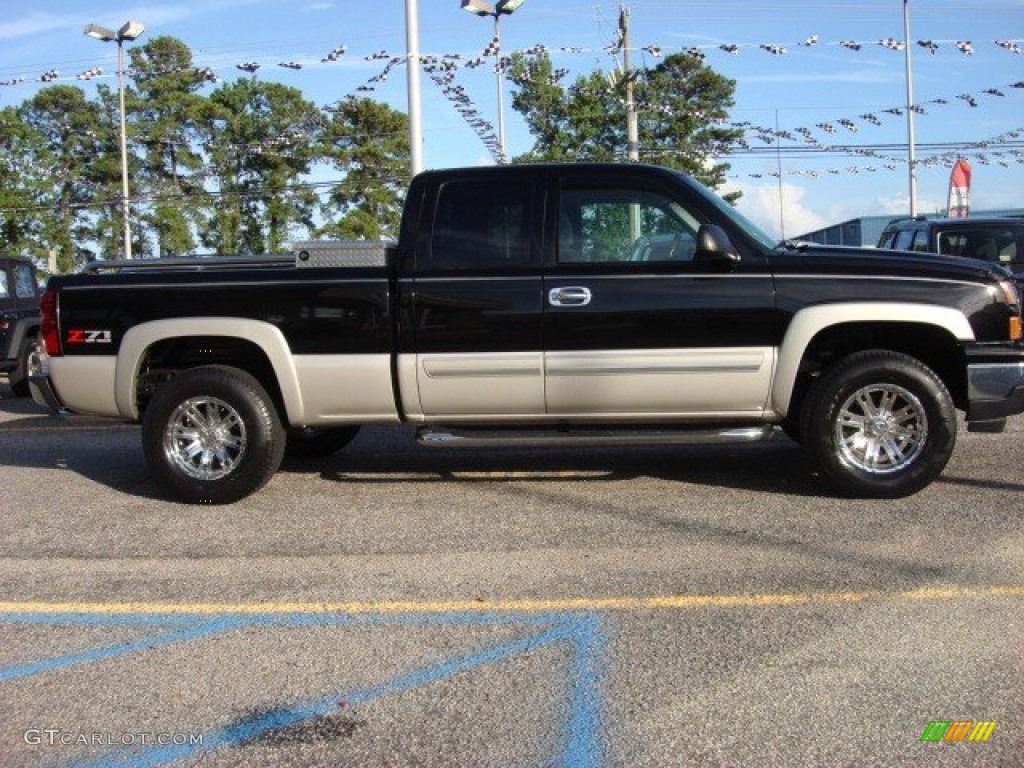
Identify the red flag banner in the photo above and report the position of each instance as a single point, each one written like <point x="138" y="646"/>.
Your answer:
<point x="959" y="189"/>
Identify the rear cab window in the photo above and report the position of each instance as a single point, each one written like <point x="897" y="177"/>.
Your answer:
<point x="481" y="225"/>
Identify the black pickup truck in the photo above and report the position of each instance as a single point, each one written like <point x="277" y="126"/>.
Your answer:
<point x="608" y="304"/>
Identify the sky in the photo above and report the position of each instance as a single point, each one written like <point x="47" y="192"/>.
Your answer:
<point x="817" y="81"/>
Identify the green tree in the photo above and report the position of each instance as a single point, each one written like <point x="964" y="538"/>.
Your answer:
<point x="68" y="159"/>
<point x="369" y="142"/>
<point x="167" y="112"/>
<point x="680" y="104"/>
<point x="21" y="187"/>
<point x="261" y="138"/>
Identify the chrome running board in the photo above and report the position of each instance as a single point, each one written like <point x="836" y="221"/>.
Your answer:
<point x="467" y="437"/>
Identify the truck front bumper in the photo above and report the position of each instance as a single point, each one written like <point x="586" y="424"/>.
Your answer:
<point x="995" y="381"/>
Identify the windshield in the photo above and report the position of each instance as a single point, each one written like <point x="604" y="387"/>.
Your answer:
<point x="730" y="212"/>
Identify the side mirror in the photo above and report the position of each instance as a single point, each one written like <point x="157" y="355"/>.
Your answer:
<point x="714" y="247"/>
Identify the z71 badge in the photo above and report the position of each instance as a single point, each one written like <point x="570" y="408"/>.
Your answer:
<point x="86" y="336"/>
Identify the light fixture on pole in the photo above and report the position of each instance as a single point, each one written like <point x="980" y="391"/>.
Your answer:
<point x="499" y="9"/>
<point x="131" y="30"/>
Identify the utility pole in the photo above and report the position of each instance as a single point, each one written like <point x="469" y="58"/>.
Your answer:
<point x="778" y="171"/>
<point x="412" y="49"/>
<point x="632" y="129"/>
<point x="911" y="159"/>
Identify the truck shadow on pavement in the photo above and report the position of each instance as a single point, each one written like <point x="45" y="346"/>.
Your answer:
<point x="779" y="467"/>
<point x="110" y="453"/>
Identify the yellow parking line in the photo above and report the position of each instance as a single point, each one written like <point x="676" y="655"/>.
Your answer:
<point x="521" y="606"/>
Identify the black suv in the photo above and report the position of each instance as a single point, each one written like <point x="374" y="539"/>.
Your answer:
<point x="19" y="320"/>
<point x="1000" y="240"/>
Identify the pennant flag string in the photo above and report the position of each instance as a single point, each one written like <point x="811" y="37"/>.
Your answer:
<point x="443" y="68"/>
<point x="656" y="50"/>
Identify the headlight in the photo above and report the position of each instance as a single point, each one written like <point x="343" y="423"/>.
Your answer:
<point x="1009" y="292"/>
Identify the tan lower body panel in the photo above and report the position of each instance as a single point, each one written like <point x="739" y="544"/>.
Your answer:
<point x="345" y="389"/>
<point x="85" y="384"/>
<point x="628" y="385"/>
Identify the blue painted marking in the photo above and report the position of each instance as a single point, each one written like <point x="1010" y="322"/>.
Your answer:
<point x="109" y="652"/>
<point x="582" y="745"/>
<point x="282" y="718"/>
<point x="583" y="731"/>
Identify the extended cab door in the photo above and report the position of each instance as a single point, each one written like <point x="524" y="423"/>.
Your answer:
<point x="475" y="305"/>
<point x="635" y="326"/>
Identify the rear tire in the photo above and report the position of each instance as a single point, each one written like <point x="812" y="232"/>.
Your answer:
<point x="879" y="424"/>
<point x="212" y="435"/>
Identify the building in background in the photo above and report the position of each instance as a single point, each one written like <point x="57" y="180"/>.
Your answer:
<point x="866" y="230"/>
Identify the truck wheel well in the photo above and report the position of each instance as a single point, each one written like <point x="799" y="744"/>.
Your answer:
<point x="164" y="359"/>
<point x="932" y="345"/>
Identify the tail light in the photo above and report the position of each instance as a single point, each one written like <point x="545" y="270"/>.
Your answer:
<point x="49" y="331"/>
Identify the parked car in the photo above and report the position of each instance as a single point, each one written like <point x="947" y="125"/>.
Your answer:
<point x="19" y="320"/>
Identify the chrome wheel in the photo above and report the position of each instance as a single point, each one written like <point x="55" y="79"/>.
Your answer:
<point x="881" y="429"/>
<point x="205" y="438"/>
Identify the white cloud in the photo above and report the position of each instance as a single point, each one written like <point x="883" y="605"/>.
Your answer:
<point x="900" y="205"/>
<point x="35" y="24"/>
<point x="760" y="202"/>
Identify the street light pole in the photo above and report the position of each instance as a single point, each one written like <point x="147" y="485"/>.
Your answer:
<point x="125" y="200"/>
<point x="129" y="31"/>
<point x="499" y="9"/>
<point x="500" y="77"/>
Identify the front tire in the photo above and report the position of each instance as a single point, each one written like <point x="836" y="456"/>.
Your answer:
<point x="879" y="424"/>
<point x="212" y="435"/>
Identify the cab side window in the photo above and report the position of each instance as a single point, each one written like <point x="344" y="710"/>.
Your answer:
<point x="4" y="293"/>
<point x="621" y="225"/>
<point x="480" y="225"/>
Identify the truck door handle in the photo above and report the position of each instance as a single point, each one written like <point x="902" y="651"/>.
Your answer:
<point x="570" y="296"/>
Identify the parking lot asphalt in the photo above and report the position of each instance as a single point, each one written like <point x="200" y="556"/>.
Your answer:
<point x="396" y="605"/>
